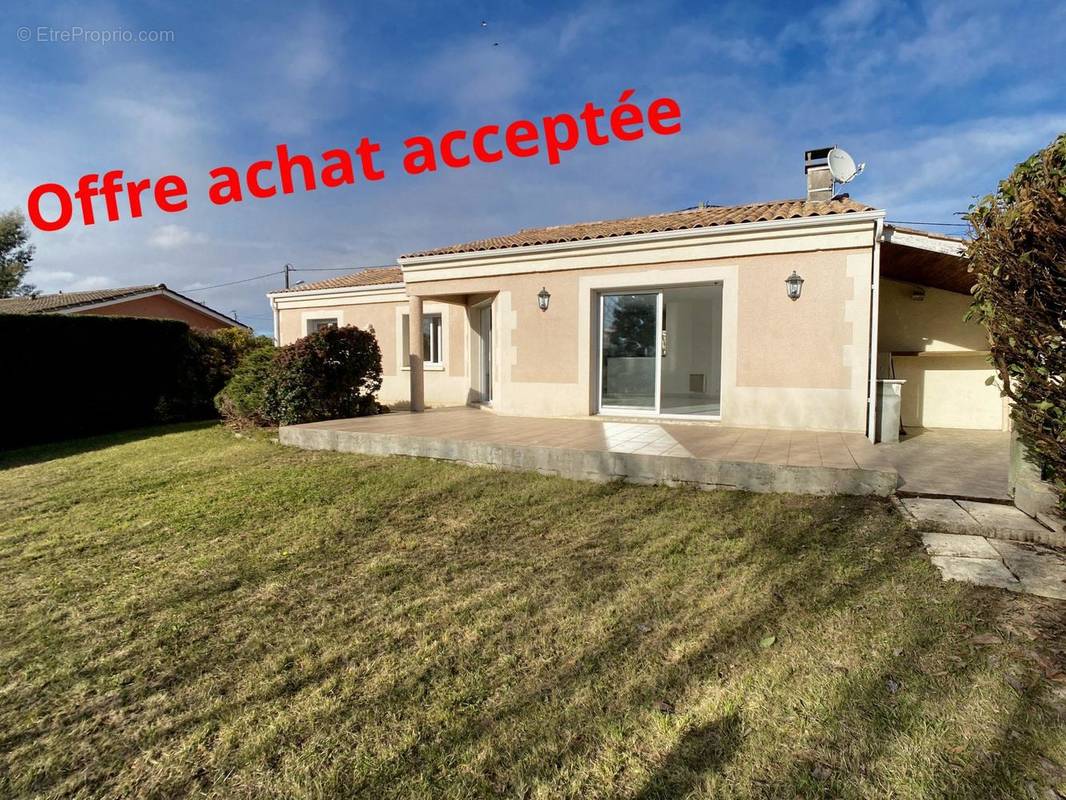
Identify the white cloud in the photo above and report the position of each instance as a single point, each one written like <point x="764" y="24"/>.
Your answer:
<point x="170" y="237"/>
<point x="91" y="282"/>
<point x="938" y="171"/>
<point x="52" y="281"/>
<point x="51" y="277"/>
<point x="301" y="76"/>
<point x="473" y="75"/>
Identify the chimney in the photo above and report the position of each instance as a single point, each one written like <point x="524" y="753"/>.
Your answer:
<point x="819" y="179"/>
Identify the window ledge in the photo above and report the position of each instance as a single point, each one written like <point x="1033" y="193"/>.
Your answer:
<point x="426" y="368"/>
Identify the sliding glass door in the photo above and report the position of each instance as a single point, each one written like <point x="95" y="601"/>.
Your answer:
<point x="691" y="351"/>
<point x="661" y="351"/>
<point x="629" y="331"/>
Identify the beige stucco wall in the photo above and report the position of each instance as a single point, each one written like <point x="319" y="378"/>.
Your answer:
<point x="933" y="324"/>
<point x="447" y="385"/>
<point x="784" y="363"/>
<point x="949" y="391"/>
<point x="942" y="358"/>
<point x="379" y="316"/>
<point x="787" y="364"/>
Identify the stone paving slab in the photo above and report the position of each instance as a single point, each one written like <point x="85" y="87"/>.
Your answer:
<point x="1041" y="570"/>
<point x="936" y="514"/>
<point x="1019" y="567"/>
<point x="982" y="571"/>
<point x="998" y="517"/>
<point x="959" y="545"/>
<point x="980" y="519"/>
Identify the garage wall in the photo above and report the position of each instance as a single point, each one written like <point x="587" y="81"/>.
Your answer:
<point x="942" y="358"/>
<point x="949" y="391"/>
<point x="933" y="324"/>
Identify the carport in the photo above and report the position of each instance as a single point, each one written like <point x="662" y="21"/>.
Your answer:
<point x="923" y="337"/>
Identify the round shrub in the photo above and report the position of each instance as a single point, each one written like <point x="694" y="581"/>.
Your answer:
<point x="329" y="374"/>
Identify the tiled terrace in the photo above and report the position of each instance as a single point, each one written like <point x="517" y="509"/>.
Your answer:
<point x="970" y="464"/>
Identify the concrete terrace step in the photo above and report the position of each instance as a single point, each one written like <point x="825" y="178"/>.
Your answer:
<point x="603" y="463"/>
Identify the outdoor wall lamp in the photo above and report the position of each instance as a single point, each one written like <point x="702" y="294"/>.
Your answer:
<point x="794" y="285"/>
<point x="543" y="298"/>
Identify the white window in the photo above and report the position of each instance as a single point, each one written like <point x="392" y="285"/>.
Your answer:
<point x="315" y="325"/>
<point x="432" y="340"/>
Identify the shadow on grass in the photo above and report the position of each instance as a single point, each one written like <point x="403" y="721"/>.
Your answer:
<point x="49" y="451"/>
<point x="702" y="750"/>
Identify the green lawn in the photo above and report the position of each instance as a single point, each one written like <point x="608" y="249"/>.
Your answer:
<point x="187" y="612"/>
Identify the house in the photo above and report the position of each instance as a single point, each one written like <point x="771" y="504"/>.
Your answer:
<point x="771" y="315"/>
<point x="153" y="301"/>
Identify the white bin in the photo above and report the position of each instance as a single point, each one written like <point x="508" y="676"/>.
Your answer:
<point x="889" y="399"/>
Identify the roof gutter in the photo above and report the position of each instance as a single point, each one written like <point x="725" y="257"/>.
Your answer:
<point x="305" y="294"/>
<point x="159" y="291"/>
<point x="923" y="241"/>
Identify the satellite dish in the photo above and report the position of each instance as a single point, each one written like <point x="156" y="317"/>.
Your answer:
<point x="842" y="166"/>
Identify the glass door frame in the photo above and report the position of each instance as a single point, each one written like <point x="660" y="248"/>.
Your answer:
<point x="629" y="411"/>
<point x="482" y="350"/>
<point x="486" y="353"/>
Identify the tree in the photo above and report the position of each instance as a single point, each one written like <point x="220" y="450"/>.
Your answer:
<point x="1019" y="257"/>
<point x="632" y="324"/>
<point x="16" y="253"/>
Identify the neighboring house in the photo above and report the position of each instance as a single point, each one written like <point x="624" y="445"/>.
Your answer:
<point x="684" y="315"/>
<point x="157" y="302"/>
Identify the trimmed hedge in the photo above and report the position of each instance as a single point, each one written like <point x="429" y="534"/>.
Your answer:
<point x="1018" y="257"/>
<point x="243" y="401"/>
<point x="67" y="376"/>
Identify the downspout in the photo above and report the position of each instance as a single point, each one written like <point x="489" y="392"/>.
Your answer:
<point x="277" y="322"/>
<point x="875" y="296"/>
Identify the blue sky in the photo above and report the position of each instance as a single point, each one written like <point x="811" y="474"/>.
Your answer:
<point x="940" y="99"/>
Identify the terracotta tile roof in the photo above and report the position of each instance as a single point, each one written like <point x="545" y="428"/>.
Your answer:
<point x="63" y="300"/>
<point x="372" y="276"/>
<point x="705" y="217"/>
